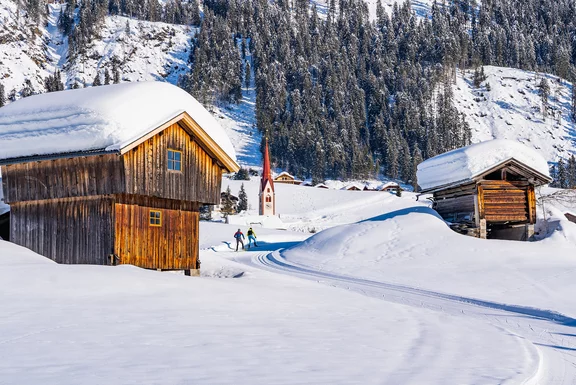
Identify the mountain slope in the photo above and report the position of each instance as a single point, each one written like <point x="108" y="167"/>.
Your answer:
<point x="507" y="105"/>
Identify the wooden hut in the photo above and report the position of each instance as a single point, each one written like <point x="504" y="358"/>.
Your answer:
<point x="496" y="198"/>
<point x="112" y="174"/>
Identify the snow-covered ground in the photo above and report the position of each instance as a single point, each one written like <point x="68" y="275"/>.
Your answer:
<point x="511" y="109"/>
<point x="392" y="296"/>
<point x="396" y="299"/>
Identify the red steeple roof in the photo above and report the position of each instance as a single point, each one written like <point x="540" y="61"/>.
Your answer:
<point x="266" y="174"/>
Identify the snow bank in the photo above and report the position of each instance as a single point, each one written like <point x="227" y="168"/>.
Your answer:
<point x="468" y="162"/>
<point x="97" y="118"/>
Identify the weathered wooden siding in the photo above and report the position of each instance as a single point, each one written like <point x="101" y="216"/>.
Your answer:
<point x="66" y="230"/>
<point x="147" y="170"/>
<point x="456" y="203"/>
<point x="506" y="201"/>
<point x="173" y="245"/>
<point x="63" y="178"/>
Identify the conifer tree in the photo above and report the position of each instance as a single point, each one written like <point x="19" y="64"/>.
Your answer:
<point x="106" y="77"/>
<point x="544" y="91"/>
<point x="227" y="205"/>
<point x="2" y="95"/>
<point x="242" y="199"/>
<point x="96" y="82"/>
<point x="561" y="174"/>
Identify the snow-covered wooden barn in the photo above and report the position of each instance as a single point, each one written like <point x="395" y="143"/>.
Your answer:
<point x="112" y="174"/>
<point x="486" y="189"/>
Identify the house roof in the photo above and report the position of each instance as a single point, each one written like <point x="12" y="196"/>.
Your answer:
<point x="284" y="173"/>
<point x="105" y="119"/>
<point x="388" y="185"/>
<point x="467" y="164"/>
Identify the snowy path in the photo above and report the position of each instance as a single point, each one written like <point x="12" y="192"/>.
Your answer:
<point x="549" y="337"/>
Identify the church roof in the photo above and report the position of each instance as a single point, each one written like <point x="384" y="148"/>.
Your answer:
<point x="266" y="173"/>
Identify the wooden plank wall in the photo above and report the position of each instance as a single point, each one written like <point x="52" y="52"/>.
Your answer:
<point x="63" y="178"/>
<point x="147" y="171"/>
<point x="456" y="201"/>
<point x="66" y="230"/>
<point x="173" y="245"/>
<point x="507" y="201"/>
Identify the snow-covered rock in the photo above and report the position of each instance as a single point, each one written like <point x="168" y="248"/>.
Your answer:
<point x="98" y="118"/>
<point x="468" y="162"/>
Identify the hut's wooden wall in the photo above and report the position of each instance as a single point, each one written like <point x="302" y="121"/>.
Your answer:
<point x="507" y="201"/>
<point x="147" y="170"/>
<point x="63" y="178"/>
<point x="173" y="245"/>
<point x="65" y="230"/>
<point x="457" y="203"/>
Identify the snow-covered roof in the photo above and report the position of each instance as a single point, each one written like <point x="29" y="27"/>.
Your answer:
<point x="354" y="185"/>
<point x="284" y="173"/>
<point x="105" y="118"/>
<point x="465" y="164"/>
<point x="388" y="185"/>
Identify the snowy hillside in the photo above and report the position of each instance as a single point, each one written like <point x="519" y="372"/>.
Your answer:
<point x="507" y="106"/>
<point x="23" y="52"/>
<point x="144" y="51"/>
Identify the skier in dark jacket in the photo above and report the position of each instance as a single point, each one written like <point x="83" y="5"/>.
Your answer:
<point x="239" y="239"/>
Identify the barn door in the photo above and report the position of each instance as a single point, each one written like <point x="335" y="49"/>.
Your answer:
<point x="505" y="201"/>
<point x="156" y="238"/>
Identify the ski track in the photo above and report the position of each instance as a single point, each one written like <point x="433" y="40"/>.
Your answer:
<point x="548" y="337"/>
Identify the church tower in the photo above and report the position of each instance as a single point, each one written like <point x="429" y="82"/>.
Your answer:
<point x="267" y="195"/>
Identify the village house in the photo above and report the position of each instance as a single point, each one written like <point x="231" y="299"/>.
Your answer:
<point x="113" y="174"/>
<point x="286" y="178"/>
<point x="390" y="187"/>
<point x="487" y="189"/>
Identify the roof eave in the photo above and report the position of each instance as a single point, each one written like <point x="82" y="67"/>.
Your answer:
<point x="63" y="155"/>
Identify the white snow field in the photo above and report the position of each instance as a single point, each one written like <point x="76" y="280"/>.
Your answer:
<point x="392" y="297"/>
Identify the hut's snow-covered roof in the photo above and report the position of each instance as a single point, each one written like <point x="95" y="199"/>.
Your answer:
<point x="105" y="118"/>
<point x="466" y="163"/>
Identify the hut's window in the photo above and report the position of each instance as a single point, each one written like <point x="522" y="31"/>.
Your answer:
<point x="268" y="199"/>
<point x="155" y="218"/>
<point x="175" y="160"/>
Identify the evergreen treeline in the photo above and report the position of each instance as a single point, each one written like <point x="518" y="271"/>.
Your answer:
<point x="340" y="95"/>
<point x="344" y="96"/>
<point x="564" y="173"/>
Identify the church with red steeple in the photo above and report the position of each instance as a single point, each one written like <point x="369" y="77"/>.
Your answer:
<point x="267" y="195"/>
